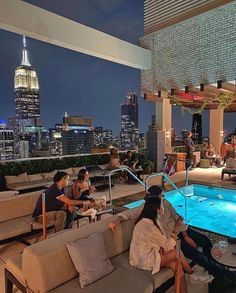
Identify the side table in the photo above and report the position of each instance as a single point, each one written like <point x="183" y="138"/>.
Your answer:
<point x="228" y="258"/>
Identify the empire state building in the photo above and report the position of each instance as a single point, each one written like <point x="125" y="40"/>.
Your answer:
<point x="26" y="89"/>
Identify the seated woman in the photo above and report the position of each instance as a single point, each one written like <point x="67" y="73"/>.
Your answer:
<point x="82" y="190"/>
<point x="150" y="249"/>
<point x="114" y="162"/>
<point x="131" y="161"/>
<point x="204" y="150"/>
<point x="212" y="155"/>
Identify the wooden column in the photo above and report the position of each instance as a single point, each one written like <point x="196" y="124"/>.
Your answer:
<point x="216" y="128"/>
<point x="163" y="121"/>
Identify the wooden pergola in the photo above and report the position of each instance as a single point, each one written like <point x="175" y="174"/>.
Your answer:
<point x="206" y="96"/>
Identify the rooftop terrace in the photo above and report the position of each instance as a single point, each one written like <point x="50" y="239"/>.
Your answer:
<point x="123" y="193"/>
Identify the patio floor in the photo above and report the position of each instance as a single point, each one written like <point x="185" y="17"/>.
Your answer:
<point x="209" y="176"/>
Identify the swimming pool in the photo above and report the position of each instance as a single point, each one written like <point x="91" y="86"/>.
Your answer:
<point x="209" y="208"/>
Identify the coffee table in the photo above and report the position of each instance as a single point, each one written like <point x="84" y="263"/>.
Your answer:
<point x="107" y="210"/>
<point x="228" y="259"/>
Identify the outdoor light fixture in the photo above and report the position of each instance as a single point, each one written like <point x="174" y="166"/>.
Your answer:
<point x="159" y="94"/>
<point x="186" y="89"/>
<point x="168" y="134"/>
<point x="172" y="92"/>
<point x="222" y="133"/>
<point x="202" y="87"/>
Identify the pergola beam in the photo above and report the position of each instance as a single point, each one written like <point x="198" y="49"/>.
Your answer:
<point x="197" y="92"/>
<point x="23" y="18"/>
<point x="228" y="86"/>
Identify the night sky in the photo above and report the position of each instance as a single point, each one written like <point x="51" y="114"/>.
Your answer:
<point x="80" y="84"/>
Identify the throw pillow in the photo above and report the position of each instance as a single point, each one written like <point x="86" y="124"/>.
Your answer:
<point x="90" y="258"/>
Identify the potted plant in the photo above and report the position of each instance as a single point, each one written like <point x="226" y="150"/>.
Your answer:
<point x="148" y="167"/>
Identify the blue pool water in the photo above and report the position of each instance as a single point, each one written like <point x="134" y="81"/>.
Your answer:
<point x="209" y="208"/>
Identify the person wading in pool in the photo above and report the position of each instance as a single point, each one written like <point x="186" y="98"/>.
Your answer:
<point x="195" y="245"/>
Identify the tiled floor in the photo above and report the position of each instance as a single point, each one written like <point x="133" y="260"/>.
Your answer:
<point x="209" y="176"/>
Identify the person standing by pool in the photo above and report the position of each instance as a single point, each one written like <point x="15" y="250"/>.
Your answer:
<point x="189" y="149"/>
<point x="195" y="245"/>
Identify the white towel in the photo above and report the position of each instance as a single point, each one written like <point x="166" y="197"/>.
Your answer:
<point x="90" y="212"/>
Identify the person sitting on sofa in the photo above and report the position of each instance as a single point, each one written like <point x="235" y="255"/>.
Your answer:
<point x="195" y="245"/>
<point x="56" y="200"/>
<point x="114" y="162"/>
<point x="213" y="156"/>
<point x="150" y="249"/>
<point x="82" y="187"/>
<point x="131" y="161"/>
<point x="82" y="190"/>
<point x="204" y="150"/>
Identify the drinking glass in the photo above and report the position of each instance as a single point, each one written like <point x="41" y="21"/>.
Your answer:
<point x="216" y="250"/>
<point x="223" y="245"/>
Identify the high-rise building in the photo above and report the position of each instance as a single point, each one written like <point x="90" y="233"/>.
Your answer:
<point x="102" y="137"/>
<point x="197" y="128"/>
<point x="55" y="140"/>
<point x="129" y="122"/>
<point x="26" y="89"/>
<point x="6" y="142"/>
<point x="27" y="121"/>
<point x="98" y="136"/>
<point x="23" y="148"/>
<point x="77" y="135"/>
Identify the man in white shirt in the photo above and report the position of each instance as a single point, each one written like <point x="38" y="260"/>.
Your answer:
<point x="195" y="245"/>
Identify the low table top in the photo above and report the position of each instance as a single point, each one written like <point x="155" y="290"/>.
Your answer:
<point x="228" y="258"/>
<point x="106" y="210"/>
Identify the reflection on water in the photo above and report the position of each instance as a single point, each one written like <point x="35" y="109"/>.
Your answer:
<point x="212" y="209"/>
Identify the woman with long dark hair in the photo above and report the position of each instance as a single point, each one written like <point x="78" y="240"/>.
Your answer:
<point x="150" y="249"/>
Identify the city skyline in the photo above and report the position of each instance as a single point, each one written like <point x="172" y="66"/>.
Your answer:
<point x="81" y="84"/>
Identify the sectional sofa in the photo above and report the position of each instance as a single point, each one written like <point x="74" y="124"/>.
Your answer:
<point x="26" y="181"/>
<point x="47" y="266"/>
<point x="16" y="220"/>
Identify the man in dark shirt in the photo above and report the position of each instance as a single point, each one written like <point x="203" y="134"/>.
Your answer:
<point x="189" y="149"/>
<point x="57" y="201"/>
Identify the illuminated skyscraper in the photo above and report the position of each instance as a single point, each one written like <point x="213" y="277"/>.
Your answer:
<point x="129" y="122"/>
<point x="26" y="89"/>
<point x="28" y="125"/>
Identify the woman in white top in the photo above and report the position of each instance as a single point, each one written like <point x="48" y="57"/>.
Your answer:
<point x="150" y="249"/>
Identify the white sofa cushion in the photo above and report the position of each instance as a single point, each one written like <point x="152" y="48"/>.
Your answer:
<point x="231" y="163"/>
<point x="13" y="228"/>
<point x="17" y="179"/>
<point x="35" y="177"/>
<point x="69" y="171"/>
<point x="8" y="193"/>
<point x="119" y="281"/>
<point x="104" y="166"/>
<point x="90" y="266"/>
<point x="49" y="175"/>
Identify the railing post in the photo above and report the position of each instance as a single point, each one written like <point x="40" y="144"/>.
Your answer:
<point x="187" y="176"/>
<point x="177" y="267"/>
<point x="44" y="216"/>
